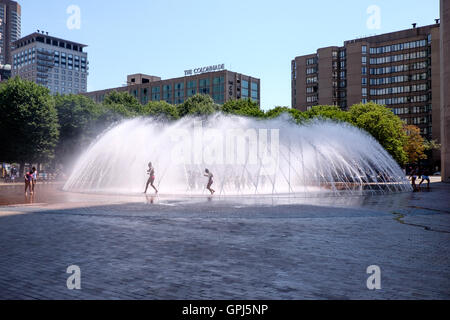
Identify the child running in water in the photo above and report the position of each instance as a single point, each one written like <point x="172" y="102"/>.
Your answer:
<point x="425" y="177"/>
<point x="210" y="181"/>
<point x="28" y="182"/>
<point x="151" y="179"/>
<point x="413" y="179"/>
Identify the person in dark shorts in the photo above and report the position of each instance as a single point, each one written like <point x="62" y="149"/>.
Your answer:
<point x="425" y="177"/>
<point x="151" y="179"/>
<point x="210" y="181"/>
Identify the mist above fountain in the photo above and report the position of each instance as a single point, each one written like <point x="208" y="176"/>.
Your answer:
<point x="246" y="156"/>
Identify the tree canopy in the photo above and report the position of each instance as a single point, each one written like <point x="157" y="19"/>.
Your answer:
<point x="415" y="146"/>
<point x="383" y="125"/>
<point x="161" y="109"/>
<point x="78" y="122"/>
<point x="198" y="105"/>
<point x="247" y="108"/>
<point x="37" y="123"/>
<point x="28" y="122"/>
<point x="129" y="105"/>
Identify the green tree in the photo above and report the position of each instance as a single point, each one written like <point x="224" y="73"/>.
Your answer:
<point x="298" y="116"/>
<point x="327" y="112"/>
<point x="198" y="105"/>
<point x="242" y="107"/>
<point x="130" y="103"/>
<point x="113" y="112"/>
<point x="161" y="109"/>
<point x="28" y="122"/>
<point x="383" y="125"/>
<point x="77" y="117"/>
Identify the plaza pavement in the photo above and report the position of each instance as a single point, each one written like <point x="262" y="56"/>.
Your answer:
<point x="213" y="248"/>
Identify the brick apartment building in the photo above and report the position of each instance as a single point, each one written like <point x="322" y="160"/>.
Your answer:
<point x="400" y="70"/>
<point x="221" y="85"/>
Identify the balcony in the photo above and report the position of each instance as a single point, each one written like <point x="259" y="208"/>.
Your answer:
<point x="46" y="52"/>
<point x="44" y="57"/>
<point x="42" y="81"/>
<point x="44" y="63"/>
<point x="42" y="69"/>
<point x="42" y="75"/>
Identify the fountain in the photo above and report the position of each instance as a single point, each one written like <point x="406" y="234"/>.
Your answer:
<point x="248" y="157"/>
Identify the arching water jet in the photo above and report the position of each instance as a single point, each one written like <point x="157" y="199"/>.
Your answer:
<point x="246" y="156"/>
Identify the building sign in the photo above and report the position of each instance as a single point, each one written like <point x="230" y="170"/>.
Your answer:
<point x="230" y="89"/>
<point x="196" y="71"/>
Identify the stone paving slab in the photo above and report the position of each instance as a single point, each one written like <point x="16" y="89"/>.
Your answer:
<point x="226" y="249"/>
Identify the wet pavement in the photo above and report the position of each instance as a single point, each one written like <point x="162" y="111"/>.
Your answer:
<point x="169" y="247"/>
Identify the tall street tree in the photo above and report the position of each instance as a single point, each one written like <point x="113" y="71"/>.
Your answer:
<point x="77" y="116"/>
<point x="28" y="123"/>
<point x="383" y="125"/>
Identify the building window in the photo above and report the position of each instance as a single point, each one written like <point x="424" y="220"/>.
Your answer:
<point x="364" y="81"/>
<point x="191" y="88"/>
<point x="311" y="70"/>
<point x="245" y="88"/>
<point x="311" y="80"/>
<point x="204" y="86"/>
<point x="364" y="60"/>
<point x="179" y="93"/>
<point x="219" y="89"/>
<point x="254" y="92"/>
<point x="311" y="61"/>
<point x="167" y="93"/>
<point x="144" y="95"/>
<point x="156" y="93"/>
<point x="364" y="49"/>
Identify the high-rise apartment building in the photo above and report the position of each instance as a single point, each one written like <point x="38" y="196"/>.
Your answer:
<point x="222" y="86"/>
<point x="10" y="28"/>
<point x="400" y="70"/>
<point x="60" y="65"/>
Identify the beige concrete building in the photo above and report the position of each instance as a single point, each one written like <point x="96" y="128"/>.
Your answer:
<point x="400" y="70"/>
<point x="445" y="86"/>
<point x="60" y="65"/>
<point x="222" y="86"/>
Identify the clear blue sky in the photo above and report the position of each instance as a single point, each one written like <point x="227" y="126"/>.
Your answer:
<point x="254" y="37"/>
